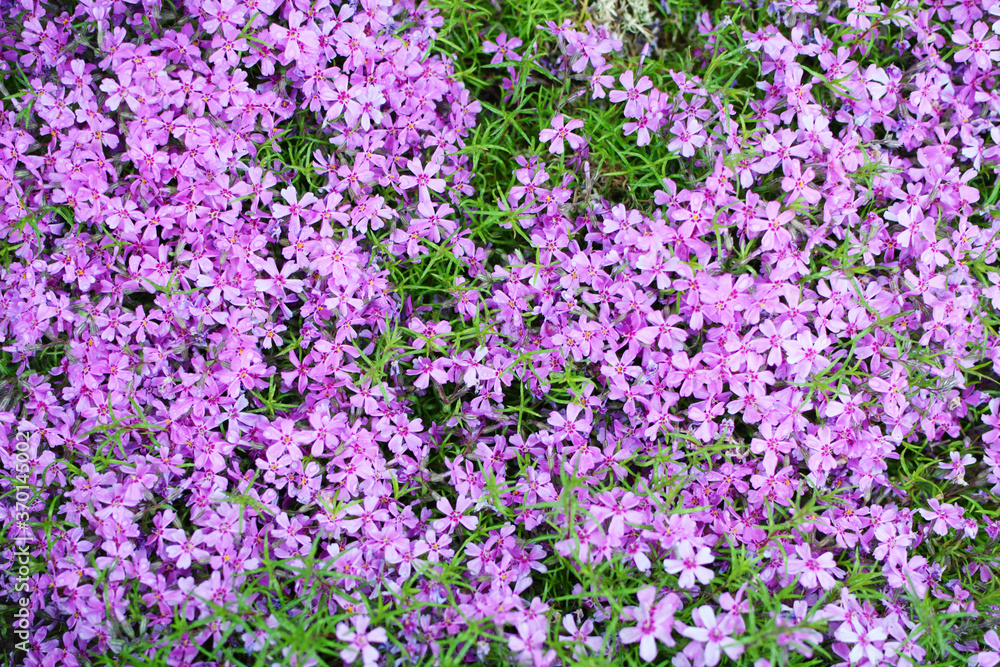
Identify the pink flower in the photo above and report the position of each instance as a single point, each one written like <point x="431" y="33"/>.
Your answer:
<point x="988" y="658"/>
<point x="803" y="354"/>
<point x="654" y="621"/>
<point x="689" y="137"/>
<point x="956" y="467"/>
<point x="864" y="641"/>
<point x="814" y="571"/>
<point x="714" y="633"/>
<point x="422" y="179"/>
<point x="185" y="549"/>
<point x="773" y="225"/>
<point x="772" y="443"/>
<point x="797" y="184"/>
<point x="455" y="517"/>
<point x="633" y="95"/>
<point x="690" y="564"/>
<point x="297" y="208"/>
<point x="360" y="641"/>
<point x="503" y="49"/>
<point x="583" y="637"/>
<point x="529" y="644"/>
<point x="979" y="49"/>
<point x="561" y="132"/>
<point x="299" y="40"/>
<point x="224" y="13"/>
<point x="944" y="516"/>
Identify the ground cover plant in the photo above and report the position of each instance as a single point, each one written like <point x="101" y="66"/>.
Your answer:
<point x="518" y="332"/>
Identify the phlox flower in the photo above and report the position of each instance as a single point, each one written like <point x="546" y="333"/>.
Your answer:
<point x="185" y="549"/>
<point x="367" y="108"/>
<point x="654" y="622"/>
<point x="529" y="644"/>
<point x="803" y="354"/>
<point x="943" y="515"/>
<point x="797" y="184"/>
<point x="573" y="425"/>
<point x="455" y="517"/>
<point x="360" y="641"/>
<point x="690" y="564"/>
<point x="599" y="81"/>
<point x="866" y="641"/>
<point x="296" y="209"/>
<point x="988" y="658"/>
<point x="772" y="443"/>
<point x="714" y="633"/>
<point x="427" y="370"/>
<point x="227" y="47"/>
<point x="688" y="137"/>
<point x="243" y="373"/>
<point x="423" y="179"/>
<point x="562" y="131"/>
<point x="583" y="637"/>
<point x="593" y="49"/>
<point x="814" y="570"/>
<point x="403" y="433"/>
<point x="633" y="94"/>
<point x="300" y="41"/>
<point x="226" y="13"/>
<point x="641" y="126"/>
<point x="979" y="48"/>
<point x="503" y="49"/>
<point x="906" y="573"/>
<point x="956" y="467"/>
<point x="774" y="226"/>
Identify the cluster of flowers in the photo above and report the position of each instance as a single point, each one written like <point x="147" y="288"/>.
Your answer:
<point x="833" y="326"/>
<point x="169" y="272"/>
